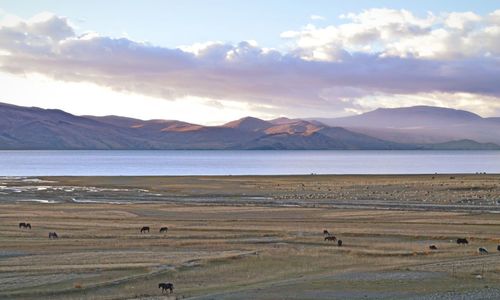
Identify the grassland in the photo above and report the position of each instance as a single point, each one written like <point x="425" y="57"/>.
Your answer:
<point x="250" y="237"/>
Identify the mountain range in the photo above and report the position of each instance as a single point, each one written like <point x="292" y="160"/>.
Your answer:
<point x="421" y="124"/>
<point x="30" y="128"/>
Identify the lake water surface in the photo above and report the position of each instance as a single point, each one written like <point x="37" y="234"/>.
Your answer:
<point x="37" y="163"/>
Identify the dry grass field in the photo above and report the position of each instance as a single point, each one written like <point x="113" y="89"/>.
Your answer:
<point x="250" y="237"/>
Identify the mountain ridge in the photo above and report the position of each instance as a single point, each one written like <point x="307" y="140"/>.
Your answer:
<point x="421" y="124"/>
<point x="32" y="128"/>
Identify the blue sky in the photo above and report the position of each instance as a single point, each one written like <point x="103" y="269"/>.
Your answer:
<point x="212" y="61"/>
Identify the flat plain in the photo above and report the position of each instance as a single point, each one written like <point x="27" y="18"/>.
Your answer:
<point x="250" y="237"/>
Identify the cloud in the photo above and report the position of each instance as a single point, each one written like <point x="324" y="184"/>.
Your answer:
<point x="317" y="18"/>
<point x="326" y="71"/>
<point x="400" y="33"/>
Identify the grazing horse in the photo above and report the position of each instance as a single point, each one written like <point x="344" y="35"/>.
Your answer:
<point x="433" y="247"/>
<point x="25" y="225"/>
<point x="163" y="229"/>
<point x="339" y="243"/>
<point x="463" y="241"/>
<point x="330" y="238"/>
<point x="166" y="287"/>
<point x="53" y="235"/>
<point x="482" y="250"/>
<point x="144" y="229"/>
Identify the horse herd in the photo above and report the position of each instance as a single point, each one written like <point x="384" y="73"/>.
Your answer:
<point x="146" y="229"/>
<point x="330" y="237"/>
<point x="460" y="241"/>
<point x="480" y="250"/>
<point x="53" y="234"/>
<point x="165" y="287"/>
<point x="169" y="287"/>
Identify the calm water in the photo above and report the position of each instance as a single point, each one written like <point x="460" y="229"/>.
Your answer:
<point x="33" y="163"/>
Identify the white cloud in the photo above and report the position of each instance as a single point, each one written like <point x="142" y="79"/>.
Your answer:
<point x="390" y="32"/>
<point x="317" y="18"/>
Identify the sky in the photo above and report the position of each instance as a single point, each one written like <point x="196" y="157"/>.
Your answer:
<point x="213" y="61"/>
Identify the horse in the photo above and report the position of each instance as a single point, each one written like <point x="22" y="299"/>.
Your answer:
<point x="330" y="238"/>
<point x="25" y="225"/>
<point x="433" y="247"/>
<point x="463" y="241"/>
<point x="482" y="250"/>
<point x="339" y="243"/>
<point x="325" y="232"/>
<point x="163" y="229"/>
<point x="144" y="229"/>
<point x="53" y="235"/>
<point x="166" y="287"/>
<point x="498" y="248"/>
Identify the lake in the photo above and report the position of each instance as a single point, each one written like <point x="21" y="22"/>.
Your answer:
<point x="37" y="163"/>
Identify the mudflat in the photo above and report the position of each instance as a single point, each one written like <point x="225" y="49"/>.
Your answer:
<point x="249" y="237"/>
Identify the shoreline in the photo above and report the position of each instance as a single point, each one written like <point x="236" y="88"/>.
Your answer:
<point x="433" y="192"/>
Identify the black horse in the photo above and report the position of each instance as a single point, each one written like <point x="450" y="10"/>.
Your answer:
<point x="25" y="225"/>
<point x="498" y="248"/>
<point x="330" y="238"/>
<point x="144" y="229"/>
<point x="166" y="287"/>
<point x="339" y="243"/>
<point x="163" y="229"/>
<point x="463" y="241"/>
<point x="53" y="235"/>
<point x="433" y="247"/>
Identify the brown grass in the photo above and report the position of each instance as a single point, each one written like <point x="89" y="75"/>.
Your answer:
<point x="217" y="249"/>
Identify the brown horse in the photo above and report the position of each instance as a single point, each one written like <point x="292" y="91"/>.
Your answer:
<point x="433" y="247"/>
<point x="482" y="250"/>
<point x="164" y="229"/>
<point x="166" y="287"/>
<point x="25" y="225"/>
<point x="330" y="238"/>
<point x="144" y="229"/>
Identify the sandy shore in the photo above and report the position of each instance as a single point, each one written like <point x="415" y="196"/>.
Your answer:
<point x="250" y="237"/>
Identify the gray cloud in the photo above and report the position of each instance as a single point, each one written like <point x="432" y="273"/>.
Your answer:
<point x="242" y="72"/>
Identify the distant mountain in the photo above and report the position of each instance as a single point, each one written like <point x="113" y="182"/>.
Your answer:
<point x="421" y="124"/>
<point x="35" y="128"/>
<point x="462" y="145"/>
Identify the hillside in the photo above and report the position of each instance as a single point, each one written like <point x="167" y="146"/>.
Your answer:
<point x="30" y="128"/>
<point x="421" y="124"/>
